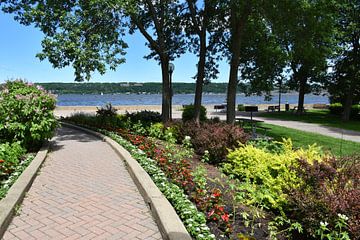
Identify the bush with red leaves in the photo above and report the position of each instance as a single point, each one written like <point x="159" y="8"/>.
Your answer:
<point x="216" y="138"/>
<point x="331" y="187"/>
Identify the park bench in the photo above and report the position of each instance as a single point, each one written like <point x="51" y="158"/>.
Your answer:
<point x="273" y="108"/>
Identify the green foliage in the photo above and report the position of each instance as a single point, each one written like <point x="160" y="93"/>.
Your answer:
<point x="339" y="233"/>
<point x="10" y="180"/>
<point x="146" y="118"/>
<point x="266" y="177"/>
<point x="282" y="224"/>
<point x="270" y="146"/>
<point x="85" y="35"/>
<point x="156" y="130"/>
<point x="241" y="107"/>
<point x="26" y="114"/>
<point x="9" y="158"/>
<point x="188" y="113"/>
<point x="123" y="87"/>
<point x="338" y="109"/>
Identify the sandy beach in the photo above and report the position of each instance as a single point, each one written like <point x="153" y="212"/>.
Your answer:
<point x="64" y="111"/>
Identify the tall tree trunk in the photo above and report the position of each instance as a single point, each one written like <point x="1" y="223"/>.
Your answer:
<point x="348" y="102"/>
<point x="166" y="94"/>
<point x="231" y="91"/>
<point x="237" y="25"/>
<point x="302" y="86"/>
<point x="200" y="78"/>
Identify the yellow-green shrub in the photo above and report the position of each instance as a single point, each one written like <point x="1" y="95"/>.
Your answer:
<point x="264" y="176"/>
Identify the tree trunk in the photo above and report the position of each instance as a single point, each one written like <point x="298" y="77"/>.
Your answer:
<point x="302" y="86"/>
<point x="238" y="21"/>
<point x="348" y="102"/>
<point x="166" y="94"/>
<point x="200" y="78"/>
<point x="231" y="91"/>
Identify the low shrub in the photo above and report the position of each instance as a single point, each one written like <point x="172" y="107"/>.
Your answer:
<point x="266" y="176"/>
<point x="216" y="138"/>
<point x="156" y="130"/>
<point x="241" y="107"/>
<point x="188" y="113"/>
<point x="107" y="111"/>
<point x="26" y="114"/>
<point x="146" y="118"/>
<point x="9" y="158"/>
<point x="329" y="188"/>
<point x="338" y="109"/>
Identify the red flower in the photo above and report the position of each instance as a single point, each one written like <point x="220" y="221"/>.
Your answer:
<point x="1" y="160"/>
<point x="216" y="194"/>
<point x="225" y="217"/>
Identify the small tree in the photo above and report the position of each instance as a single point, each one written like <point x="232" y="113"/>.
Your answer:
<point x="306" y="32"/>
<point x="244" y="36"/>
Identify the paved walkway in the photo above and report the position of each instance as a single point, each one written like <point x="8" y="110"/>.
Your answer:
<point x="83" y="191"/>
<point x="315" y="128"/>
<point x="307" y="127"/>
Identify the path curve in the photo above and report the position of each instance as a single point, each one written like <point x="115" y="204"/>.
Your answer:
<point x="83" y="191"/>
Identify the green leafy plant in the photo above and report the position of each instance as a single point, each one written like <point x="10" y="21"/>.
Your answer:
<point x="337" y="109"/>
<point x="266" y="177"/>
<point x="156" y="130"/>
<point x="26" y="114"/>
<point x="9" y="158"/>
<point x="338" y="233"/>
<point x="188" y="113"/>
<point x="145" y="117"/>
<point x="241" y="107"/>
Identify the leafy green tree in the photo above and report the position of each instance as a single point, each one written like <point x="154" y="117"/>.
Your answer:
<point x="159" y="22"/>
<point x="84" y="34"/>
<point x="306" y="32"/>
<point x="344" y="83"/>
<point x="245" y="38"/>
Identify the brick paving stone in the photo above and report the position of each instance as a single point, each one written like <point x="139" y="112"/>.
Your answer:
<point x="83" y="191"/>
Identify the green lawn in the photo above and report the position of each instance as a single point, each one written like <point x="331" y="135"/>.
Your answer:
<point x="336" y="146"/>
<point x="322" y="117"/>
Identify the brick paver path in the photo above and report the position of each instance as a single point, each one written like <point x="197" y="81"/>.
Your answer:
<point x="83" y="191"/>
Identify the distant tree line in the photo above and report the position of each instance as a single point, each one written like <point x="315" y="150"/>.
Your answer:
<point x="306" y="45"/>
<point x="150" y="87"/>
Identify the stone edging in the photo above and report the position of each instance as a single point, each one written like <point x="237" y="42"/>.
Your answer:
<point x="169" y="223"/>
<point x="18" y="190"/>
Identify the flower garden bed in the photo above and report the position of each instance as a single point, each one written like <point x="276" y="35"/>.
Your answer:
<point x="261" y="191"/>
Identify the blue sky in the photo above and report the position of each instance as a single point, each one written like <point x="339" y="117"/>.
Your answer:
<point x="19" y="44"/>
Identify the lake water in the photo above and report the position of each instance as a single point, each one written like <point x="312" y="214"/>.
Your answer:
<point x="178" y="99"/>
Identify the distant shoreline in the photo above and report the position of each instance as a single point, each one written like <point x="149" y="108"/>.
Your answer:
<point x="64" y="111"/>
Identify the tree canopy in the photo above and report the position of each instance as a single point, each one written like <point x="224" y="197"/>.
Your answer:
<point x="264" y="42"/>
